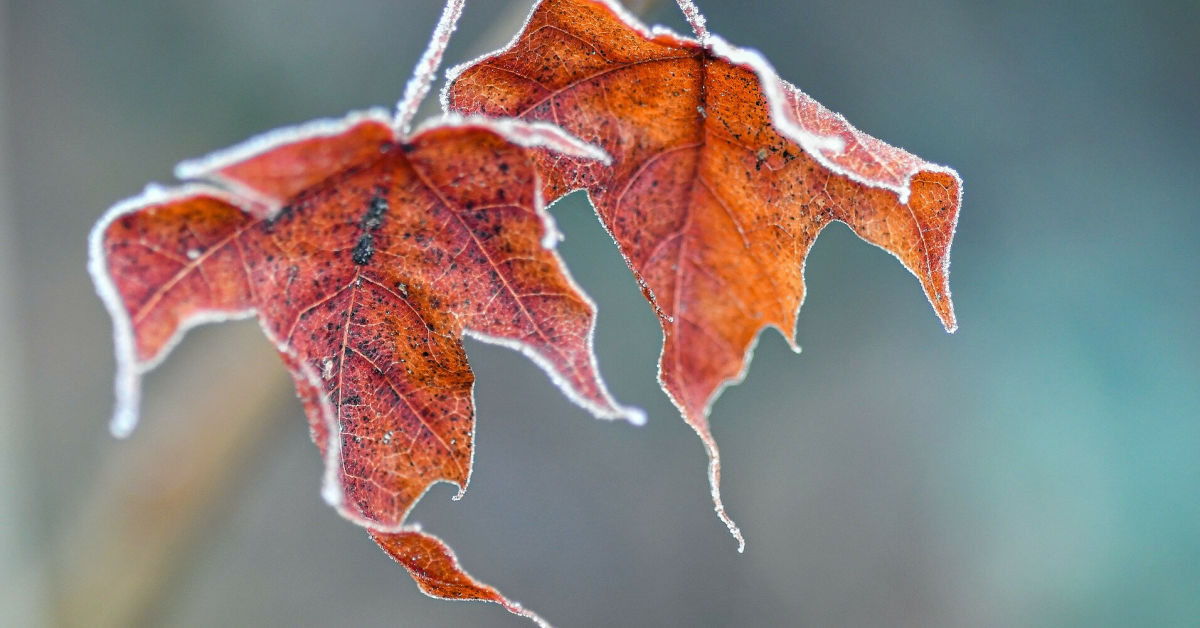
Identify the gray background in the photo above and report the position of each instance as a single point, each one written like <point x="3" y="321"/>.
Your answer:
<point x="1039" y="468"/>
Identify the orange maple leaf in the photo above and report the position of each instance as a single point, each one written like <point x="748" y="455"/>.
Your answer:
<point x="722" y="176"/>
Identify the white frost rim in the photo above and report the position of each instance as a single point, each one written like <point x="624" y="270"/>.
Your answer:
<point x="521" y="133"/>
<point x="209" y="167"/>
<point x="815" y="145"/>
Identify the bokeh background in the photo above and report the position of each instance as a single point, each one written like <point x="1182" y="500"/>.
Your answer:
<point x="1041" y="467"/>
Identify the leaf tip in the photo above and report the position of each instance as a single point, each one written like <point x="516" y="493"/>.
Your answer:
<point x="937" y="290"/>
<point x="719" y="507"/>
<point x="331" y="493"/>
<point x="943" y="307"/>
<point x="635" y="416"/>
<point x="714" y="479"/>
<point x="122" y="424"/>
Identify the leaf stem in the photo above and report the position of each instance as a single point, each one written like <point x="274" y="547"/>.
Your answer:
<point x="423" y="75"/>
<point x="695" y="18"/>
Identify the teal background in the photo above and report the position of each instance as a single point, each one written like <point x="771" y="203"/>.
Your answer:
<point x="1041" y="467"/>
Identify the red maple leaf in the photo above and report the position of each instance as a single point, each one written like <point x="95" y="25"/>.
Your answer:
<point x="365" y="252"/>
<point x="722" y="176"/>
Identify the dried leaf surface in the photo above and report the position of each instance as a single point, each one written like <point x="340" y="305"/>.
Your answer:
<point x="365" y="256"/>
<point x="722" y="176"/>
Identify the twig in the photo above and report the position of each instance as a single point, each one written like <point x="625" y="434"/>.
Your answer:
<point x="695" y="18"/>
<point x="426" y="70"/>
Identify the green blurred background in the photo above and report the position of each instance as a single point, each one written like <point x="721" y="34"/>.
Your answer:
<point x="1041" y="467"/>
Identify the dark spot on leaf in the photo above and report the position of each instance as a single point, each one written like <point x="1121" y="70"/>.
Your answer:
<point x="374" y="215"/>
<point x="364" y="250"/>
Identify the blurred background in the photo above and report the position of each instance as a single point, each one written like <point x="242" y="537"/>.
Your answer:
<point x="1041" y="467"/>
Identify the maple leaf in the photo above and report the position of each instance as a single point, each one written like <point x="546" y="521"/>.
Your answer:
<point x="365" y="269"/>
<point x="366" y="253"/>
<point x="722" y="175"/>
